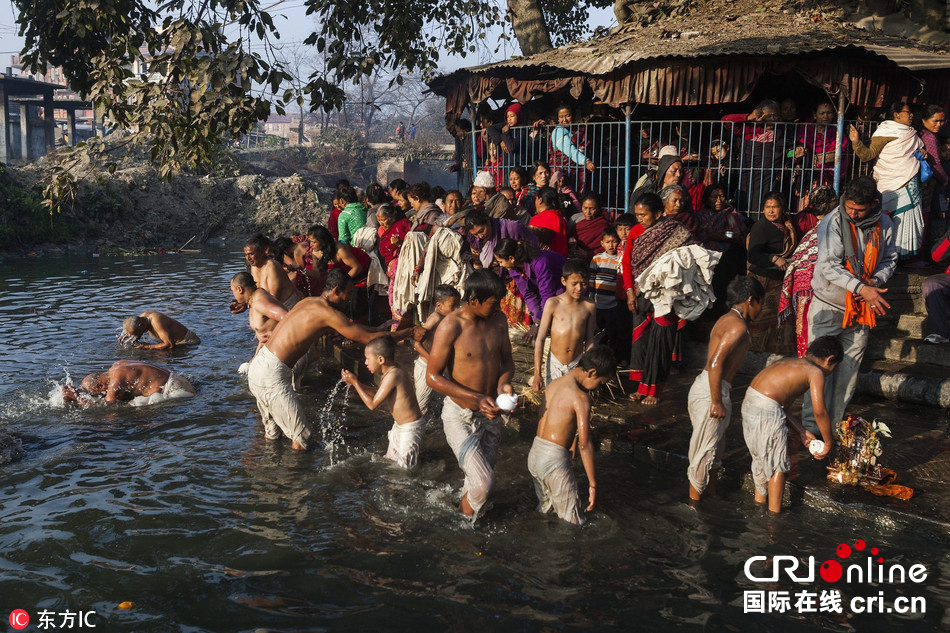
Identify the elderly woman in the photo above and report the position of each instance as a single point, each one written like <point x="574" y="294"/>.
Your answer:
<point x="797" y="284"/>
<point x="676" y="204"/>
<point x="896" y="172"/>
<point x="654" y="338"/>
<point x="669" y="171"/>
<point x="771" y="242"/>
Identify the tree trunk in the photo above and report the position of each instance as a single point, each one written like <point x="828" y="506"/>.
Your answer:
<point x="527" y="21"/>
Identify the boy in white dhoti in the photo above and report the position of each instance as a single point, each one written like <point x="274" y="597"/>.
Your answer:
<point x="571" y="320"/>
<point x="709" y="402"/>
<point x="566" y="416"/>
<point x="766" y="409"/>
<point x="396" y="392"/>
<point x="447" y="300"/>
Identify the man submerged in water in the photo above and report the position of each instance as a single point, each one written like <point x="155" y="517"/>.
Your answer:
<point x="471" y="363"/>
<point x="128" y="379"/>
<point x="164" y="329"/>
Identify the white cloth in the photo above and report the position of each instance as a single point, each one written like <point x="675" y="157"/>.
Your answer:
<point x="896" y="164"/>
<point x="404" y="442"/>
<point x="366" y="240"/>
<point x="554" y="369"/>
<point x="554" y="481"/>
<point x="175" y="387"/>
<point x="708" y="441"/>
<point x="271" y="383"/>
<point x="423" y="390"/>
<point x="404" y="291"/>
<point x="766" y="435"/>
<point x="908" y="217"/>
<point x="680" y="281"/>
<point x="474" y="439"/>
<point x="443" y="265"/>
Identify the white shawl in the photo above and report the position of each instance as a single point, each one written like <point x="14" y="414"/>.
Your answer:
<point x="896" y="164"/>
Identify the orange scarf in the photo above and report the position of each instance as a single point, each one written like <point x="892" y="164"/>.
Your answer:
<point x="856" y="308"/>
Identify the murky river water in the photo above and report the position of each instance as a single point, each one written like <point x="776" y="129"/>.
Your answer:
<point x="184" y="510"/>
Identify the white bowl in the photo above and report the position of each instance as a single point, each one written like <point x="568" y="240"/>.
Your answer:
<point x="816" y="446"/>
<point x="506" y="402"/>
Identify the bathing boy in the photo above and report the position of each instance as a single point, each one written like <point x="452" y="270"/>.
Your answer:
<point x="395" y="392"/>
<point x="766" y="409"/>
<point x="447" y="299"/>
<point x="566" y="414"/>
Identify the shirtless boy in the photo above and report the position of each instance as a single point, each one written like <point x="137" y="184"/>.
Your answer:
<point x="571" y="319"/>
<point x="128" y="379"/>
<point x="396" y="393"/>
<point x="447" y="300"/>
<point x="766" y="408"/>
<point x="270" y="375"/>
<point x="566" y="414"/>
<point x="709" y="401"/>
<point x="268" y="274"/>
<point x="164" y="329"/>
<point x="471" y="363"/>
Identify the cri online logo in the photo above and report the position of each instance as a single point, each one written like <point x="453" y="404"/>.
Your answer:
<point x="831" y="570"/>
<point x="19" y="619"/>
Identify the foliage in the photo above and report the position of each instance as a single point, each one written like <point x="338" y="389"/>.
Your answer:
<point x="24" y="219"/>
<point x="567" y="19"/>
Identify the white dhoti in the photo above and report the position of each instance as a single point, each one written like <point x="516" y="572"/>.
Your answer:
<point x="423" y="390"/>
<point x="554" y="369"/>
<point x="766" y="435"/>
<point x="708" y="441"/>
<point x="177" y="386"/>
<point x="271" y="382"/>
<point x="905" y="208"/>
<point x="405" y="441"/>
<point x="474" y="439"/>
<point x="554" y="481"/>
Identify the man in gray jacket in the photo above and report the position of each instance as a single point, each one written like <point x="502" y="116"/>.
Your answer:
<point x="849" y="292"/>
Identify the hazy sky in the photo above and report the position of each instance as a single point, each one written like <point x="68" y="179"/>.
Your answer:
<point x="294" y="26"/>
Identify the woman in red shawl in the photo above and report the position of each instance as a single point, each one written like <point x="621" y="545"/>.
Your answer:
<point x="589" y="231"/>
<point x="392" y="233"/>
<point x="654" y="338"/>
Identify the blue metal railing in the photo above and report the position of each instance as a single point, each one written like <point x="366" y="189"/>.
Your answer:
<point x="749" y="159"/>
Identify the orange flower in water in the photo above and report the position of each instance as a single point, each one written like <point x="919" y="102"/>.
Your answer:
<point x="125" y="605"/>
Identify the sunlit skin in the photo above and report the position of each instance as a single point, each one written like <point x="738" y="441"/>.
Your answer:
<point x="935" y="123"/>
<point x="645" y="216"/>
<point x="402" y="201"/>
<point x="565" y="116"/>
<point x="905" y="116"/>
<point x="385" y="223"/>
<point x="514" y="181"/>
<point x="571" y="321"/>
<point x="673" y="175"/>
<point x="480" y="232"/>
<point x="453" y="203"/>
<point x="509" y="195"/>
<point x="674" y="204"/>
<point x="622" y="232"/>
<point x="609" y="243"/>
<point x="511" y="118"/>
<point x="541" y="176"/>
<point x="824" y="114"/>
<point x="718" y="198"/>
<point x="590" y="209"/>
<point x="254" y="256"/>
<point x="772" y="210"/>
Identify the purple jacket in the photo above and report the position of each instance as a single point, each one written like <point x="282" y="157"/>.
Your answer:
<point x="540" y="280"/>
<point x="500" y="229"/>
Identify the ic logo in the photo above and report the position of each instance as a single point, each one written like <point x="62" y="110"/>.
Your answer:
<point x="19" y="619"/>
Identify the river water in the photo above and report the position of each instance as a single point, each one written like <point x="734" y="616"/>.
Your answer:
<point x="184" y="510"/>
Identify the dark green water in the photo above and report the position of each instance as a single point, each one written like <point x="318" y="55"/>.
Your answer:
<point x="184" y="510"/>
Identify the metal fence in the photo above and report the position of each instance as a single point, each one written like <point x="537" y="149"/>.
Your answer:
<point x="748" y="159"/>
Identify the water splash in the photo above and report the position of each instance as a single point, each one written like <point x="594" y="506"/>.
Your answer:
<point x="125" y="339"/>
<point x="331" y="427"/>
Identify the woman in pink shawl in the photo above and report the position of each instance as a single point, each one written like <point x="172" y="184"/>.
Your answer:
<point x="819" y="140"/>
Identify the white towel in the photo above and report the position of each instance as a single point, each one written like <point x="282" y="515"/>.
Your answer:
<point x="680" y="281"/>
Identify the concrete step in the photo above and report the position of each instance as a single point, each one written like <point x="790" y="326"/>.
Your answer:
<point x="908" y="351"/>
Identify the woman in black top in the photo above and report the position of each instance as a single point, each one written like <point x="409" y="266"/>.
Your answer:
<point x="771" y="242"/>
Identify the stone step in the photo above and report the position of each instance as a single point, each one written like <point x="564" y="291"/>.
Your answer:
<point x="908" y="351"/>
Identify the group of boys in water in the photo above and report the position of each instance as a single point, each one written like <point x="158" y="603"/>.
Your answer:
<point x="466" y="355"/>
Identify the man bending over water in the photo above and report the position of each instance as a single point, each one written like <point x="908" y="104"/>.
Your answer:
<point x="164" y="329"/>
<point x="471" y="363"/>
<point x="128" y="379"/>
<point x="270" y="375"/>
<point x="268" y="274"/>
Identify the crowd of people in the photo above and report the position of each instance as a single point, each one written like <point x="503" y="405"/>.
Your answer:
<point x="454" y="274"/>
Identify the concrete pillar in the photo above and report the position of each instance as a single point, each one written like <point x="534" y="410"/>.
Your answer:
<point x="24" y="132"/>
<point x="50" y="121"/>
<point x="71" y="121"/>
<point x="4" y="124"/>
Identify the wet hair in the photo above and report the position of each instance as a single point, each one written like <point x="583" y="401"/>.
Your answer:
<point x="826" y="346"/>
<point x="626" y="219"/>
<point x="136" y="323"/>
<point x="244" y="279"/>
<point x="601" y="359"/>
<point x="861" y="190"/>
<point x="743" y="288"/>
<point x="930" y="110"/>
<point x="376" y="194"/>
<point x="347" y="194"/>
<point x="477" y="218"/>
<point x="420" y="191"/>
<point x="575" y="267"/>
<point x="778" y="197"/>
<point x="895" y="108"/>
<point x="548" y="197"/>
<point x="336" y="280"/>
<point x="398" y="184"/>
<point x="445" y="291"/>
<point x="482" y="285"/>
<point x="259" y="241"/>
<point x="388" y="211"/>
<point x="822" y="200"/>
<point x="591" y="196"/>
<point x="652" y="202"/>
<point x="437" y="193"/>
<point x="281" y="246"/>
<point x="325" y="242"/>
<point x="519" y="249"/>
<point x="610" y="231"/>
<point x="384" y="346"/>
